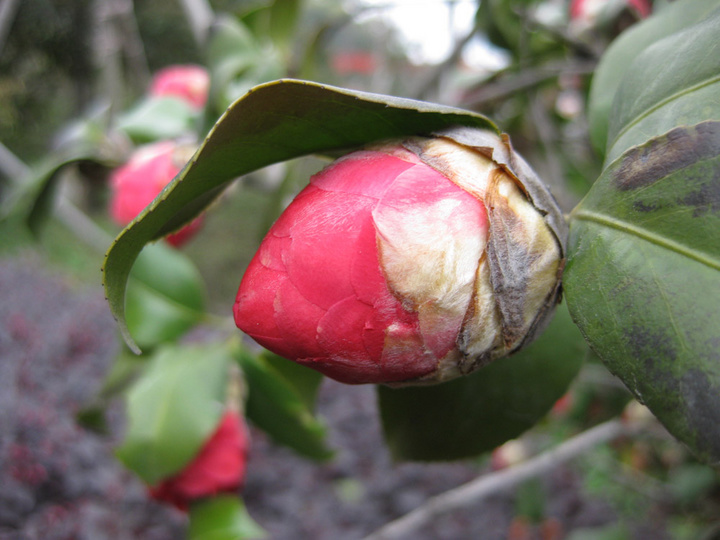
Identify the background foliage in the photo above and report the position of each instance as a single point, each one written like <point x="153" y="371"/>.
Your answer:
<point x="628" y="125"/>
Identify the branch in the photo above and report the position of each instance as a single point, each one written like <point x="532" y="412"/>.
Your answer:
<point x="11" y="166"/>
<point x="505" y="86"/>
<point x="474" y="491"/>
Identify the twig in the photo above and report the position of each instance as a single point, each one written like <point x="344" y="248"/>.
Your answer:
<point x="474" y="491"/>
<point x="82" y="226"/>
<point x="11" y="166"/>
<point x="505" y="86"/>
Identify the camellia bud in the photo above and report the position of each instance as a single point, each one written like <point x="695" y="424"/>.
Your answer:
<point x="189" y="83"/>
<point x="411" y="261"/>
<point x="142" y="178"/>
<point x="219" y="467"/>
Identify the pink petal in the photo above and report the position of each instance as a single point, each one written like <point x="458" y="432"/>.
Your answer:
<point x="254" y="309"/>
<point x="365" y="173"/>
<point x="323" y="244"/>
<point x="366" y="277"/>
<point x="340" y="331"/>
<point x="297" y="322"/>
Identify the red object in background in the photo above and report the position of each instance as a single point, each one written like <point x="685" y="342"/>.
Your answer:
<point x="188" y="82"/>
<point x="219" y="467"/>
<point x="142" y="178"/>
<point x="588" y="10"/>
<point x="348" y="62"/>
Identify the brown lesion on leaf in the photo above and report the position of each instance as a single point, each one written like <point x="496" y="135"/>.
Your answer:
<point x="679" y="148"/>
<point x="705" y="199"/>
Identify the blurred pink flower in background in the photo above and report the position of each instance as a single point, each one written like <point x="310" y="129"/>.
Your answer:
<point x="137" y="183"/>
<point x="190" y="83"/>
<point x="219" y="467"/>
<point x="589" y="12"/>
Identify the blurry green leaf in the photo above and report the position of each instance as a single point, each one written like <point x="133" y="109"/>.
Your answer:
<point x="284" y="16"/>
<point x="643" y="278"/>
<point x="506" y="23"/>
<point x="123" y="371"/>
<point x="674" y="82"/>
<point x="274" y="122"/>
<point x="280" y="400"/>
<point x="474" y="414"/>
<point x="157" y="118"/>
<point x="222" y="517"/>
<point x="173" y="408"/>
<point x="165" y="295"/>
<point x="32" y="200"/>
<point x="691" y="482"/>
<point x="238" y="62"/>
<point x="616" y="61"/>
<point x="305" y="381"/>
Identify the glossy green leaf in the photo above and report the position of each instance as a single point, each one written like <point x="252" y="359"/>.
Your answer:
<point x="615" y="63"/>
<point x="165" y="296"/>
<point x="676" y="81"/>
<point x="280" y="402"/>
<point x="223" y="517"/>
<point x="474" y="414"/>
<point x="157" y="118"/>
<point x="173" y="408"/>
<point x="274" y="122"/>
<point x="643" y="278"/>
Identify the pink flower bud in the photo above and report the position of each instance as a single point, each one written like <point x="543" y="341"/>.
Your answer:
<point x="219" y="467"/>
<point x="189" y="83"/>
<point x="137" y="183"/>
<point x="412" y="261"/>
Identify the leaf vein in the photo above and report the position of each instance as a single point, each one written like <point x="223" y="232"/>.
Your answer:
<point x="648" y="236"/>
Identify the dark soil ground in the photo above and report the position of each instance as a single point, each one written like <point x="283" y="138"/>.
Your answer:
<point x="60" y="482"/>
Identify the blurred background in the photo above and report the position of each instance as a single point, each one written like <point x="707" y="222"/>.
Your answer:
<point x="74" y="73"/>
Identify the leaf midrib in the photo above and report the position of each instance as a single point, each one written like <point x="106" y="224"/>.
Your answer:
<point x="648" y="236"/>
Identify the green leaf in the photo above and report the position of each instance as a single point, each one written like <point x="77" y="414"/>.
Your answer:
<point x="643" y="278"/>
<point x="616" y="61"/>
<point x="238" y="62"/>
<point x="676" y="81"/>
<point x="274" y="122"/>
<point x="165" y="296"/>
<point x="284" y="16"/>
<point x="31" y="202"/>
<point x="222" y="518"/>
<point x="173" y="408"/>
<point x="157" y="118"/>
<point x="474" y="414"/>
<point x="305" y="381"/>
<point x="280" y="401"/>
